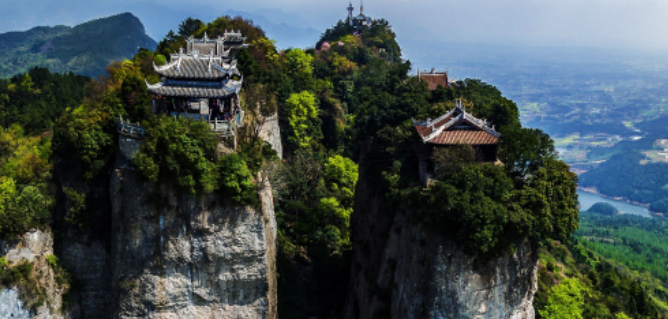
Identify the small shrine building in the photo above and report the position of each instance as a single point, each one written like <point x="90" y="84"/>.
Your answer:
<point x="434" y="78"/>
<point x="456" y="127"/>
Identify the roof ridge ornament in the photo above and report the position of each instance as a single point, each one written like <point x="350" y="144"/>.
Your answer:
<point x="459" y="104"/>
<point x="178" y="63"/>
<point x="210" y="59"/>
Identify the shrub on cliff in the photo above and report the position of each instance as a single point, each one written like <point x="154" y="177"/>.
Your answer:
<point x="566" y="300"/>
<point x="236" y="181"/>
<point x="185" y="151"/>
<point x="22" y="208"/>
<point x="486" y="209"/>
<point x="179" y="148"/>
<point x="85" y="136"/>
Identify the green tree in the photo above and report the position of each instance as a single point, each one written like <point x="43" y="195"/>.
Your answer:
<point x="189" y="27"/>
<point x="21" y="208"/>
<point x="342" y="174"/>
<point x="565" y="301"/>
<point x="299" y="66"/>
<point x="302" y="109"/>
<point x="524" y="150"/>
<point x="557" y="216"/>
<point x="236" y="181"/>
<point x="181" y="148"/>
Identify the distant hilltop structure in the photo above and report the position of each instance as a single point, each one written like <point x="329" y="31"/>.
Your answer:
<point x="435" y="78"/>
<point x="359" y="21"/>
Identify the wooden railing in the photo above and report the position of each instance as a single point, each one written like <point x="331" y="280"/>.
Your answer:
<point x="130" y="129"/>
<point x="225" y="127"/>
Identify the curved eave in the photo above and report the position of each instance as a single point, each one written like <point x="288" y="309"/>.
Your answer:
<point x="227" y="89"/>
<point x="216" y="77"/>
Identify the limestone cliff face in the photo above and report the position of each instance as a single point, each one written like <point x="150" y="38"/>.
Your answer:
<point x="32" y="247"/>
<point x="175" y="255"/>
<point x="402" y="270"/>
<point x="153" y="252"/>
<point x="271" y="133"/>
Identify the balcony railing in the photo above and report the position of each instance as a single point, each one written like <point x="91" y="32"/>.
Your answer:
<point x="130" y="129"/>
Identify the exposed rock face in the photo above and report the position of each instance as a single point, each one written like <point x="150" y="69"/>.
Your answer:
<point x="402" y="270"/>
<point x="86" y="255"/>
<point x="271" y="133"/>
<point x="180" y="256"/>
<point x="11" y="306"/>
<point x="154" y="252"/>
<point x="33" y="247"/>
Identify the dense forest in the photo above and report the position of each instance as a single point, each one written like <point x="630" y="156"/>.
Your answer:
<point x="576" y="282"/>
<point x="634" y="241"/>
<point x="35" y="100"/>
<point x="623" y="176"/>
<point x="628" y="173"/>
<point x="619" y="262"/>
<point x="349" y="98"/>
<point x="603" y="209"/>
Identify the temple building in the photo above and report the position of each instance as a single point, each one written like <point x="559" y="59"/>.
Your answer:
<point x="434" y="78"/>
<point x="203" y="83"/>
<point x="359" y="21"/>
<point x="456" y="127"/>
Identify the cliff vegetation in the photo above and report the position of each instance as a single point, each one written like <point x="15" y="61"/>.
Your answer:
<point x="345" y="107"/>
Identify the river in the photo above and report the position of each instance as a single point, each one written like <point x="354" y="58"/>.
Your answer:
<point x="588" y="199"/>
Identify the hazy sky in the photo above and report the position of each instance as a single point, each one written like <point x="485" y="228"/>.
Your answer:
<point x="635" y="24"/>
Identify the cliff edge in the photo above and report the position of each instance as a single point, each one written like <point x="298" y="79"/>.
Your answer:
<point x="402" y="270"/>
<point x="176" y="255"/>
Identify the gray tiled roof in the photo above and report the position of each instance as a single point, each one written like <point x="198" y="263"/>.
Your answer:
<point x="197" y="67"/>
<point x="219" y="46"/>
<point x="225" y="89"/>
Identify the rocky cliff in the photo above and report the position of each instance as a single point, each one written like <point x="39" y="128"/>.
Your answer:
<point x="402" y="270"/>
<point x="271" y="133"/>
<point x="180" y="256"/>
<point x="19" y="302"/>
<point x="152" y="252"/>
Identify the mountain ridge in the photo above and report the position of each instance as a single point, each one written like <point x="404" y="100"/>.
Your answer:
<point x="85" y="49"/>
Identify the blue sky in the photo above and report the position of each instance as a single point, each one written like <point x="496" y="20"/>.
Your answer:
<point x="630" y="24"/>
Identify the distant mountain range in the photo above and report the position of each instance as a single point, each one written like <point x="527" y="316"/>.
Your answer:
<point x="288" y="29"/>
<point x="84" y="49"/>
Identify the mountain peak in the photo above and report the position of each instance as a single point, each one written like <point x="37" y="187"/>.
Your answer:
<point x="85" y="49"/>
